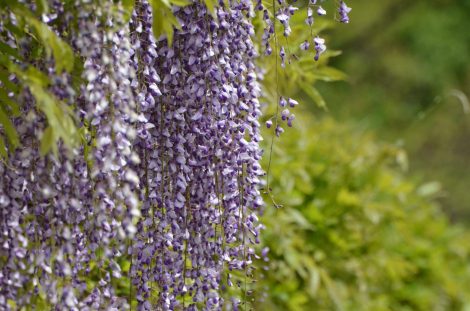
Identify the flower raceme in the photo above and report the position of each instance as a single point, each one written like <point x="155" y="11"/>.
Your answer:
<point x="283" y="11"/>
<point x="200" y="150"/>
<point x="158" y="207"/>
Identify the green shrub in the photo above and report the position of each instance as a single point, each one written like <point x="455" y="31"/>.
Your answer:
<point x="353" y="232"/>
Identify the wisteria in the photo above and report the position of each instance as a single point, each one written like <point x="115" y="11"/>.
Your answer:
<point x="283" y="12"/>
<point x="343" y="12"/>
<point x="157" y="207"/>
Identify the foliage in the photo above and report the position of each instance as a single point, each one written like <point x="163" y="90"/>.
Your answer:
<point x="20" y="70"/>
<point x="409" y="76"/>
<point x="301" y="72"/>
<point x="354" y="233"/>
<point x="152" y="112"/>
<point x="26" y="41"/>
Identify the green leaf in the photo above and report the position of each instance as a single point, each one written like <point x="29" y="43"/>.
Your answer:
<point x="6" y="49"/>
<point x="18" y="32"/>
<point x="165" y="3"/>
<point x="6" y="82"/>
<point x="58" y="115"/>
<point x="3" y="149"/>
<point x="164" y="21"/>
<point x="180" y="2"/>
<point x="10" y="130"/>
<point x="62" y="52"/>
<point x="331" y="289"/>
<point x="429" y="189"/>
<point x="299" y="220"/>
<point x="87" y="146"/>
<point x="48" y="141"/>
<point x="43" y="6"/>
<point x="30" y="76"/>
<point x="36" y="77"/>
<point x="211" y="4"/>
<point x="329" y="74"/>
<point x="128" y="6"/>
<point x="313" y="93"/>
<point x="5" y="100"/>
<point x="313" y="281"/>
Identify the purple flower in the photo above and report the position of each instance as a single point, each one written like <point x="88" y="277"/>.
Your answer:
<point x="293" y="102"/>
<point x="320" y="47"/>
<point x="279" y="130"/>
<point x="309" y="20"/>
<point x="167" y="174"/>
<point x="343" y="12"/>
<point x="282" y="54"/>
<point x="290" y="120"/>
<point x="285" y="114"/>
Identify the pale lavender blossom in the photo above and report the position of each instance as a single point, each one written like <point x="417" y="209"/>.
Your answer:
<point x="344" y="12"/>
<point x="320" y="47"/>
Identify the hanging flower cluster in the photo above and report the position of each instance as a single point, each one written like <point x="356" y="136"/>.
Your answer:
<point x="38" y="209"/>
<point x="283" y="11"/>
<point x="66" y="215"/>
<point x="163" y="193"/>
<point x="200" y="155"/>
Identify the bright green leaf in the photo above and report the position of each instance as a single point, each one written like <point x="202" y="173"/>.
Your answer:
<point x="6" y="49"/>
<point x="62" y="52"/>
<point x="13" y="106"/>
<point x="211" y="4"/>
<point x="47" y="141"/>
<point x="164" y="21"/>
<point x="6" y="82"/>
<point x="128" y="6"/>
<point x="9" y="129"/>
<point x="43" y="6"/>
<point x="180" y="2"/>
<point x="3" y="149"/>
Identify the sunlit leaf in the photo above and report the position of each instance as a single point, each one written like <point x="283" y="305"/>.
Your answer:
<point x="5" y="48"/>
<point x="211" y="4"/>
<point x="12" y="105"/>
<point x="164" y="22"/>
<point x="6" y="82"/>
<point x="3" y="149"/>
<point x="180" y="2"/>
<point x="9" y="129"/>
<point x="128" y="6"/>
<point x="47" y="141"/>
<point x="42" y="6"/>
<point x="62" y="52"/>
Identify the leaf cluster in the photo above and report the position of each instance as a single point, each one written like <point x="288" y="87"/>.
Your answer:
<point x="26" y="43"/>
<point x="354" y="232"/>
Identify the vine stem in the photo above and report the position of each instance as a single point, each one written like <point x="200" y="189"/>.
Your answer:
<point x="276" y="48"/>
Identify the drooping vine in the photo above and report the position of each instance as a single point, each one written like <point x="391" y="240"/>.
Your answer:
<point x="154" y="202"/>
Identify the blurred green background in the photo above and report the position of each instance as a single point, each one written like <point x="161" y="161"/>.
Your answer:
<point x="354" y="233"/>
<point x="408" y="63"/>
<point x="374" y="188"/>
